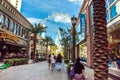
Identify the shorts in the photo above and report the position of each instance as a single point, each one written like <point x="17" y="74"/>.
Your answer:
<point x="49" y="60"/>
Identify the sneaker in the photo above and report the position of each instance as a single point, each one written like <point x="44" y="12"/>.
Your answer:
<point x="51" y="69"/>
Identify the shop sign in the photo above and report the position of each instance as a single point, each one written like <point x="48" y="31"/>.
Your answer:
<point x="81" y="29"/>
<point x="8" y="37"/>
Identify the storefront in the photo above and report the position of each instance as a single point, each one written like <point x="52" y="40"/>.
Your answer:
<point x="113" y="25"/>
<point x="83" y="51"/>
<point x="14" y="31"/>
<point x="114" y="48"/>
<point x="81" y="37"/>
<point x="10" y="43"/>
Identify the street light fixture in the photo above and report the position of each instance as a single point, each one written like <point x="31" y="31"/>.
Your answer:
<point x="73" y="21"/>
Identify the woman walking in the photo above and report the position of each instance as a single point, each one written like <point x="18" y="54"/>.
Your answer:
<point x="78" y="70"/>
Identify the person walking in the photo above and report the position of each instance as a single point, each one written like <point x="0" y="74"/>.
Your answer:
<point x="58" y="62"/>
<point x="52" y="62"/>
<point x="78" y="70"/>
<point x="49" y="60"/>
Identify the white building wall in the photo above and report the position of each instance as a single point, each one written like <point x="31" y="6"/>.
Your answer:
<point x="16" y="4"/>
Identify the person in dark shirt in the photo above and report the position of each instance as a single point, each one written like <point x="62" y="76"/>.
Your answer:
<point x="78" y="70"/>
<point x="58" y="62"/>
<point x="49" y="60"/>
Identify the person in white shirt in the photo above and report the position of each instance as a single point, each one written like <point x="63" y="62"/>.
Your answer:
<point x="52" y="61"/>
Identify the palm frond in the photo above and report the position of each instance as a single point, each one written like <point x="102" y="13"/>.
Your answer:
<point x="36" y="28"/>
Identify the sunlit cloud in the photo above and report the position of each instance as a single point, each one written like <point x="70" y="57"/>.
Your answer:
<point x="52" y="13"/>
<point x="76" y="1"/>
<point x="34" y="20"/>
<point x="64" y="18"/>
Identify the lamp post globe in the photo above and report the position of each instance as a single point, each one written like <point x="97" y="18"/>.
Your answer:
<point x="73" y="21"/>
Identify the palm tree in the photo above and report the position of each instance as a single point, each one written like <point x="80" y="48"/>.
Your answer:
<point x="35" y="30"/>
<point x="65" y="41"/>
<point x="100" y="38"/>
<point x="52" y="43"/>
<point x="54" y="48"/>
<point x="48" y="40"/>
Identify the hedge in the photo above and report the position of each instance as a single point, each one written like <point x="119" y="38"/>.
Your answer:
<point x="15" y="61"/>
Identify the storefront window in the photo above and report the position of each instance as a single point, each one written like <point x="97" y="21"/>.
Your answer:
<point x="115" y="9"/>
<point x="6" y="23"/>
<point x="83" y="51"/>
<point x="114" y="49"/>
<point x="12" y="27"/>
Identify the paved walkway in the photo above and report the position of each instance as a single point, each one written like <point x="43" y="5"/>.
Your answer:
<point x="90" y="74"/>
<point x="37" y="71"/>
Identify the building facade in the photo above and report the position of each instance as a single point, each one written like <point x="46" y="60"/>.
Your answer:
<point x="16" y="4"/>
<point x="85" y="47"/>
<point x="14" y="30"/>
<point x="40" y="46"/>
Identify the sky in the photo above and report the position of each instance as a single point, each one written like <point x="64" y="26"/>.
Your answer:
<point x="52" y="13"/>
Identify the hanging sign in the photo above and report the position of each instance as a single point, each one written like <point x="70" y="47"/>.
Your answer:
<point x="8" y="37"/>
<point x="82" y="23"/>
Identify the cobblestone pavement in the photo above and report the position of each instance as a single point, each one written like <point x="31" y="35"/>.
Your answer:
<point x="37" y="71"/>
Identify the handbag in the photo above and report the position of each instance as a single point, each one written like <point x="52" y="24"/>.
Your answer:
<point x="72" y="72"/>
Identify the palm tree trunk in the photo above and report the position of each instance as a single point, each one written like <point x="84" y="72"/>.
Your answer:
<point x="65" y="51"/>
<point x="34" y="50"/>
<point x="100" y="38"/>
<point x="46" y="48"/>
<point x="51" y="49"/>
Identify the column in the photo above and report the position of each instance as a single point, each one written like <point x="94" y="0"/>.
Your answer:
<point x="89" y="40"/>
<point x="29" y="46"/>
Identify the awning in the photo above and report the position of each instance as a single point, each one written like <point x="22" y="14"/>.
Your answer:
<point x="13" y="44"/>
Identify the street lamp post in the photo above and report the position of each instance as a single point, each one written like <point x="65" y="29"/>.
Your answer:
<point x="73" y="21"/>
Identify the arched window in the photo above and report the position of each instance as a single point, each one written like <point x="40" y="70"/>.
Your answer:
<point x="23" y="32"/>
<point x="2" y="19"/>
<point x="26" y="34"/>
<point x="12" y="27"/>
<point x="19" y="29"/>
<point x="6" y="23"/>
<point x="15" y="30"/>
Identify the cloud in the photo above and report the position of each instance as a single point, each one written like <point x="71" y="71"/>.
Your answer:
<point x="64" y="18"/>
<point x="76" y="1"/>
<point x="34" y="20"/>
